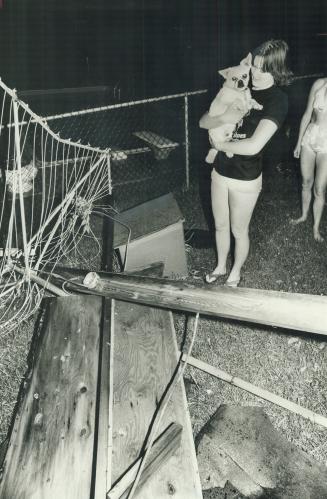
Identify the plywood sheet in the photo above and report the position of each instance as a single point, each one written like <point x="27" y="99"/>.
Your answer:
<point x="144" y="358"/>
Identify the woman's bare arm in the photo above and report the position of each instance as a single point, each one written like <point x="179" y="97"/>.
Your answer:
<point x="251" y="146"/>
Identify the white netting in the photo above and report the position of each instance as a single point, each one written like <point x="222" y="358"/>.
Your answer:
<point x="49" y="187"/>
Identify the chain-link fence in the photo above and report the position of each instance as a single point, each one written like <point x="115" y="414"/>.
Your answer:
<point x="149" y="141"/>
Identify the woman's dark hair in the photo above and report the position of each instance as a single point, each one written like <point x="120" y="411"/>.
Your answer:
<point x="274" y="54"/>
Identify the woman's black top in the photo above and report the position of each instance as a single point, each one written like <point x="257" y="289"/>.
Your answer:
<point x="275" y="107"/>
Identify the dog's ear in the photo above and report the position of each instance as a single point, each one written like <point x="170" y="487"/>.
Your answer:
<point x="224" y="72"/>
<point x="247" y="61"/>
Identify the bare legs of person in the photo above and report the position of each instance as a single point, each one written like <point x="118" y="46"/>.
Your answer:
<point x="314" y="174"/>
<point x="220" y="209"/>
<point x="319" y="191"/>
<point x="232" y="210"/>
<point x="242" y="205"/>
<point x="307" y="161"/>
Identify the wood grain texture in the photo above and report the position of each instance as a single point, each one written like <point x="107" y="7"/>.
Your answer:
<point x="145" y="356"/>
<point x="162" y="449"/>
<point x="51" y="444"/>
<point x="295" y="311"/>
<point x="102" y="475"/>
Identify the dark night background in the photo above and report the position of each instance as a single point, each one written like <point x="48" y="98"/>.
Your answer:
<point x="150" y="47"/>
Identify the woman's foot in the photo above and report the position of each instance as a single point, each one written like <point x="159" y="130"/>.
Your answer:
<point x="214" y="275"/>
<point x="317" y="236"/>
<point x="232" y="284"/>
<point x="295" y="221"/>
<point x="233" y="280"/>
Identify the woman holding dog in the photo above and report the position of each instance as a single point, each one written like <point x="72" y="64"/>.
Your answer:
<point x="311" y="147"/>
<point x="236" y="181"/>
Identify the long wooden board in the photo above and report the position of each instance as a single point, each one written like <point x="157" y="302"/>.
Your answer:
<point x="50" y="454"/>
<point x="300" y="312"/>
<point x="144" y="358"/>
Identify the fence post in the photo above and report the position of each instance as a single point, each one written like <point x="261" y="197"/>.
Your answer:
<point x="187" y="154"/>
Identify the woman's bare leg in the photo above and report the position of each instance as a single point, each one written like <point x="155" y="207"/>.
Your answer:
<point x="220" y="209"/>
<point x="307" y="160"/>
<point x="241" y="208"/>
<point x="319" y="194"/>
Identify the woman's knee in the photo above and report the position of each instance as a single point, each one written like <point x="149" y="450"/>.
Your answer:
<point x="319" y="191"/>
<point x="240" y="232"/>
<point x="222" y="225"/>
<point x="307" y="184"/>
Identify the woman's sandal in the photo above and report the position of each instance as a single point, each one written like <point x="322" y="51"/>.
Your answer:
<point x="233" y="284"/>
<point x="212" y="277"/>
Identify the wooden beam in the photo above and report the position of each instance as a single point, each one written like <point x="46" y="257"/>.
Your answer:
<point x="43" y="282"/>
<point x="256" y="390"/>
<point x="50" y="452"/>
<point x="102" y="471"/>
<point x="293" y="311"/>
<point x="154" y="269"/>
<point x="164" y="446"/>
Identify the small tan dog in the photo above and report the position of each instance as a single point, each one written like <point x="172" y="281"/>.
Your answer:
<point x="234" y="94"/>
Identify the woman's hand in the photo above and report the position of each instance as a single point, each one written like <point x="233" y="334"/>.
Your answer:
<point x="297" y="151"/>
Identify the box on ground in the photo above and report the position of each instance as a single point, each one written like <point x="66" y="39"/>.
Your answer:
<point x="156" y="235"/>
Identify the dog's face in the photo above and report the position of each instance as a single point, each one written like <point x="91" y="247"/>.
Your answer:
<point x="237" y="77"/>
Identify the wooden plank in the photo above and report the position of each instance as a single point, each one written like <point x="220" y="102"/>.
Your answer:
<point x="256" y="390"/>
<point x="154" y="269"/>
<point x="103" y="434"/>
<point x="50" y="453"/>
<point x="105" y="401"/>
<point x="294" y="311"/>
<point x="145" y="356"/>
<point x="166" y="444"/>
<point x="155" y="140"/>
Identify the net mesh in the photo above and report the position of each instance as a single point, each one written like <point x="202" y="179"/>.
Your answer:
<point x="49" y="187"/>
<point x="53" y="180"/>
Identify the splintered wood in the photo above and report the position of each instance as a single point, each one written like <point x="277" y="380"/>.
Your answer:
<point x="51" y="445"/>
<point x="163" y="448"/>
